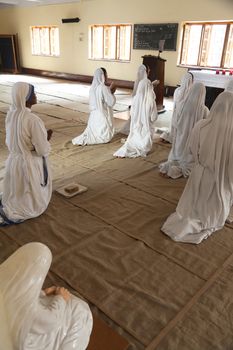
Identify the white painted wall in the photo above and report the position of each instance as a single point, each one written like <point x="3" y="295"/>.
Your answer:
<point x="74" y="53"/>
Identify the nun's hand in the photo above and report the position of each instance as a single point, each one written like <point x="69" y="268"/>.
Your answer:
<point x="63" y="292"/>
<point x="112" y="88"/>
<point x="156" y="82"/>
<point x="49" y="134"/>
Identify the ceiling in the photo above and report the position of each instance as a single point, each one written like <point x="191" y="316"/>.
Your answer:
<point x="23" y="3"/>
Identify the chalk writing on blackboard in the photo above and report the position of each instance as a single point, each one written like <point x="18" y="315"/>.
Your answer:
<point x="147" y="36"/>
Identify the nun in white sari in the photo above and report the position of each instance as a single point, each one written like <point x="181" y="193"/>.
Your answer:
<point x="180" y="161"/>
<point x="141" y="74"/>
<point x="143" y="116"/>
<point x="206" y="201"/>
<point x="36" y="319"/>
<point x="178" y="99"/>
<point x="229" y="86"/>
<point x="100" y="123"/>
<point x="27" y="185"/>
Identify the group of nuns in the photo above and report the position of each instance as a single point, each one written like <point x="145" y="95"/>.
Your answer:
<point x="202" y="150"/>
<point x="32" y="318"/>
<point x="143" y="112"/>
<point x="201" y="147"/>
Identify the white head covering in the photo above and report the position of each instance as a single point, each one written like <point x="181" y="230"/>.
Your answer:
<point x="217" y="148"/>
<point x="143" y="116"/>
<point x="20" y="92"/>
<point x="14" y="120"/>
<point x="15" y="116"/>
<point x="185" y="85"/>
<point x="229" y="86"/>
<point x="21" y="279"/>
<point x="144" y="106"/>
<point x="207" y="197"/>
<point x="141" y="74"/>
<point x="179" y="99"/>
<point x="193" y="110"/>
<point x="193" y="106"/>
<point x="98" y="78"/>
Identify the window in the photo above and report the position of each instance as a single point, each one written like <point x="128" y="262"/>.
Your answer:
<point x="228" y="62"/>
<point x="45" y="40"/>
<point x="110" y="42"/>
<point x="207" y="45"/>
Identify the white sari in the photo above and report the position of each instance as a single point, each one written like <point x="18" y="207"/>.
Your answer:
<point x="141" y="74"/>
<point x="27" y="185"/>
<point x="100" y="123"/>
<point x="180" y="161"/>
<point x="37" y="321"/>
<point x="229" y="86"/>
<point x="143" y="117"/>
<point x="178" y="99"/>
<point x="207" y="198"/>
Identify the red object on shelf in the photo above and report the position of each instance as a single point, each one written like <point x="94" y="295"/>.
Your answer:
<point x="231" y="72"/>
<point x="217" y="71"/>
<point x="223" y="72"/>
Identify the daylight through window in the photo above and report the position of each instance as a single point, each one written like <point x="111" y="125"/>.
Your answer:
<point x="207" y="45"/>
<point x="110" y="42"/>
<point x="45" y="40"/>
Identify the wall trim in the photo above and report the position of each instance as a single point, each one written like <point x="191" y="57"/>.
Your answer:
<point x="74" y="77"/>
<point x="125" y="84"/>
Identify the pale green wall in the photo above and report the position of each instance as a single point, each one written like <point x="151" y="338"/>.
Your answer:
<point x="74" y="53"/>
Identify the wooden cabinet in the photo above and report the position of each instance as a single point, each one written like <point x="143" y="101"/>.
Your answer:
<point x="157" y="69"/>
<point x="9" y="57"/>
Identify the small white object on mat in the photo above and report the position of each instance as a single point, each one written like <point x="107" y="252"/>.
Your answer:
<point x="71" y="190"/>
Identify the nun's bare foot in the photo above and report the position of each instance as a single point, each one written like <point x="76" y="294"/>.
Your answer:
<point x="164" y="175"/>
<point x="50" y="290"/>
<point x="164" y="141"/>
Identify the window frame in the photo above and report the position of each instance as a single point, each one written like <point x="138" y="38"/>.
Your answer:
<point x="117" y="42"/>
<point x="224" y="49"/>
<point x="50" y="28"/>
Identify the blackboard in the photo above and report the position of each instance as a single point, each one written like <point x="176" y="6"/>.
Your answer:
<point x="147" y="36"/>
